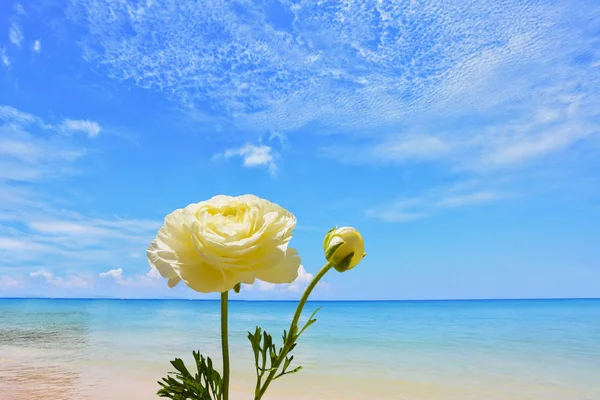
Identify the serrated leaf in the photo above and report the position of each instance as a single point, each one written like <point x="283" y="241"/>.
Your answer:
<point x="180" y="366"/>
<point x="206" y="384"/>
<point x="294" y="370"/>
<point x="287" y="363"/>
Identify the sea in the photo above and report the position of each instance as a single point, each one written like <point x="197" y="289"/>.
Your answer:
<point x="94" y="349"/>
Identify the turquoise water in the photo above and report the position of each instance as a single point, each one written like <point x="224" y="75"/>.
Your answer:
<point x="113" y="349"/>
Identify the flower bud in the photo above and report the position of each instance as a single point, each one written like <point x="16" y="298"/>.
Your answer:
<point x="344" y="248"/>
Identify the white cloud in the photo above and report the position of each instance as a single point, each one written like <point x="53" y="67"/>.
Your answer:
<point x="428" y="81"/>
<point x="558" y="124"/>
<point x="37" y="46"/>
<point x="279" y="136"/>
<point x="72" y="281"/>
<point x="93" y="230"/>
<point x="33" y="230"/>
<point x="19" y="9"/>
<point x="412" y="147"/>
<point x="540" y="129"/>
<point x="344" y="65"/>
<point x="152" y="278"/>
<point x="34" y="151"/>
<point x="301" y="281"/>
<point x="15" y="34"/>
<point x="68" y="228"/>
<point x="27" y="157"/>
<point x="298" y="285"/>
<point x="116" y="274"/>
<point x="12" y="244"/>
<point x="11" y="114"/>
<point x="253" y="156"/>
<point x="434" y="201"/>
<point x="19" y="120"/>
<point x="9" y="282"/>
<point x="467" y="199"/>
<point x="265" y="286"/>
<point x="395" y="213"/>
<point x="31" y="149"/>
<point x="394" y="148"/>
<point x="91" y="128"/>
<point x="36" y="229"/>
<point x="4" y="57"/>
<point x="154" y="274"/>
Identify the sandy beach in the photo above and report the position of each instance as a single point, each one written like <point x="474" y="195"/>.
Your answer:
<point x="20" y="381"/>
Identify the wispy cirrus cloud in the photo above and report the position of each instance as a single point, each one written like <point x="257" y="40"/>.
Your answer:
<point x="467" y="199"/>
<point x="4" y="57"/>
<point x="437" y="200"/>
<point x="12" y="117"/>
<point x="71" y="281"/>
<point x="10" y="282"/>
<point x="36" y="229"/>
<point x="34" y="233"/>
<point x="10" y="114"/>
<point x="478" y="87"/>
<point x="90" y="128"/>
<point x="33" y="230"/>
<point x="15" y="34"/>
<point x="392" y="149"/>
<point x="544" y="129"/>
<point x="32" y="149"/>
<point x="336" y="63"/>
<point x="19" y="9"/>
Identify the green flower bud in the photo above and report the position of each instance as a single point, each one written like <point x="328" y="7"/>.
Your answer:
<point x="344" y="248"/>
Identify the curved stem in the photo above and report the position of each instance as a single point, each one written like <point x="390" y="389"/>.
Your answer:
<point x="307" y="292"/>
<point x="225" y="344"/>
<point x="293" y="327"/>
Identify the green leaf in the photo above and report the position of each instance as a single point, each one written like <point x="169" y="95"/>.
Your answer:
<point x="326" y="238"/>
<point x="311" y="320"/>
<point x="269" y="358"/>
<point x="343" y="265"/>
<point x="287" y="363"/>
<point x="330" y="251"/>
<point x="206" y="384"/>
<point x="180" y="366"/>
<point x="294" y="370"/>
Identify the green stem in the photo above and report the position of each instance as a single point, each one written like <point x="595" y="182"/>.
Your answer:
<point x="225" y="345"/>
<point x="307" y="292"/>
<point x="293" y="328"/>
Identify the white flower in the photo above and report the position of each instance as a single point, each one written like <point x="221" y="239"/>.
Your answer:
<point x="215" y="244"/>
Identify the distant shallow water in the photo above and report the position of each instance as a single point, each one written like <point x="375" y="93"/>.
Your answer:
<point x="438" y="350"/>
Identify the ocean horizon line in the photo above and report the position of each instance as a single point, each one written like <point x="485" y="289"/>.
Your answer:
<point x="309" y="301"/>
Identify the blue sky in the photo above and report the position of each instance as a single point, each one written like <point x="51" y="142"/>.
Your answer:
<point x="461" y="139"/>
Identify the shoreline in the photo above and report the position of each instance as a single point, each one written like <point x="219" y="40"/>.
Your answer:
<point x="516" y="299"/>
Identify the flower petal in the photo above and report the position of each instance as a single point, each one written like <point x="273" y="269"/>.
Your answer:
<point x="162" y="266"/>
<point x="172" y="282"/>
<point x="202" y="277"/>
<point x="285" y="272"/>
<point x="233" y="278"/>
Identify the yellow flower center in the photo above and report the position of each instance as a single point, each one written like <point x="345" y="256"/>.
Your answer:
<point x="230" y="220"/>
